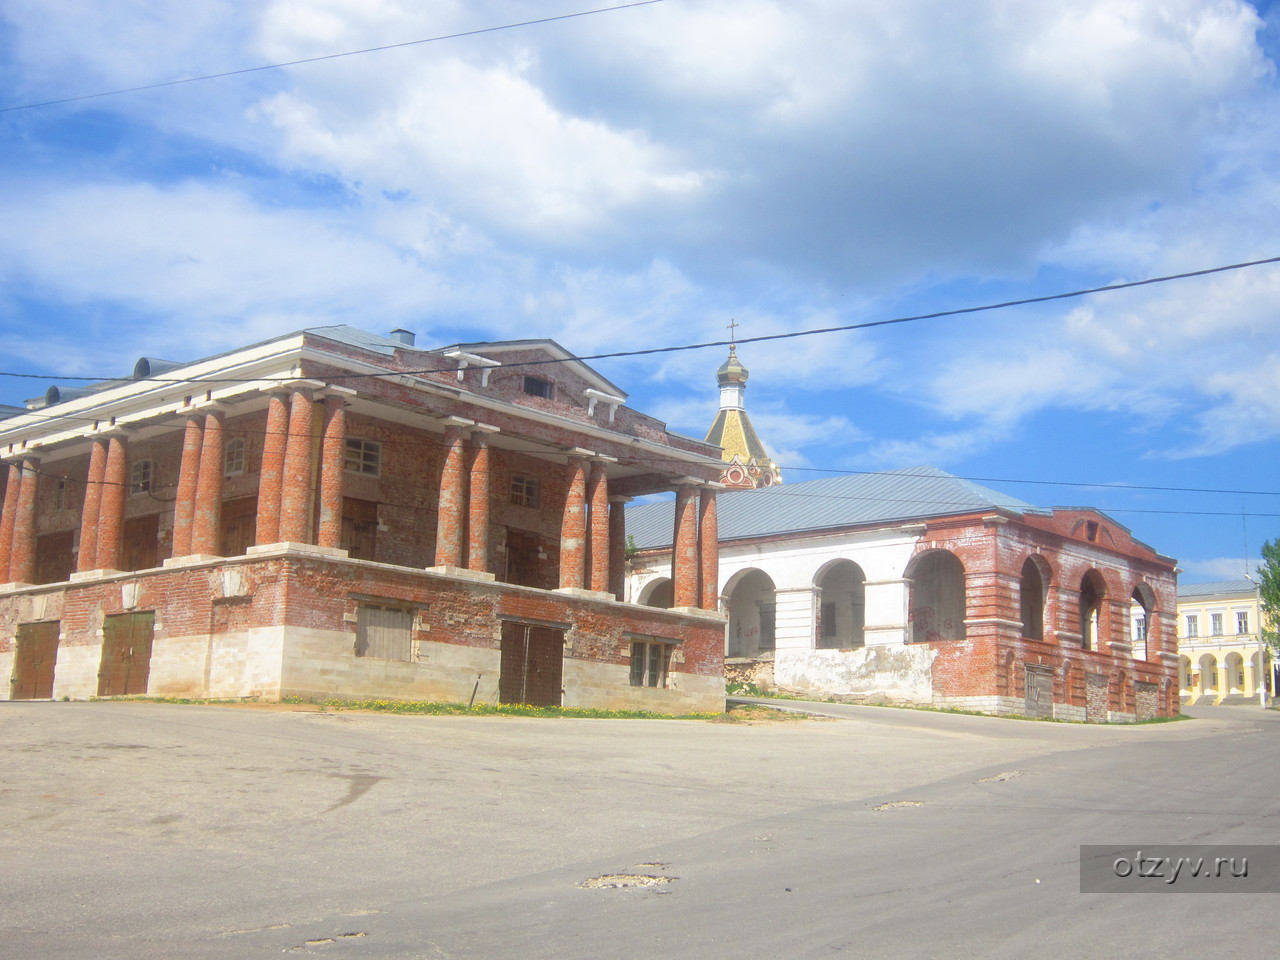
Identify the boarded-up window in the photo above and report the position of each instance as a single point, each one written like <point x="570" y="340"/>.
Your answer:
<point x="384" y="633"/>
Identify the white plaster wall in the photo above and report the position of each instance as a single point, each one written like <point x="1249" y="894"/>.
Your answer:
<point x="245" y="663"/>
<point x="6" y="671"/>
<point x="902" y="674"/>
<point x="322" y="663"/>
<point x="607" y="686"/>
<point x="793" y="566"/>
<point x="75" y="675"/>
<point x="178" y="667"/>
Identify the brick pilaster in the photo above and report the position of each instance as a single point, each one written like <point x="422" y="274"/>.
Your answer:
<point x="207" y="521"/>
<point x="22" y="556"/>
<point x="573" y="525"/>
<point x="450" y="522"/>
<point x="684" y="555"/>
<point x="618" y="546"/>
<point x="709" y="548"/>
<point x="8" y="516"/>
<point x="332" y="456"/>
<point x="184" y="505"/>
<point x="598" y="544"/>
<point x="115" y="479"/>
<point x="273" y="451"/>
<point x="479" y="504"/>
<point x="296" y="481"/>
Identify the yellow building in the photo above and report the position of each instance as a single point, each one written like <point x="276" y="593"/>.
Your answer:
<point x="1218" y="642"/>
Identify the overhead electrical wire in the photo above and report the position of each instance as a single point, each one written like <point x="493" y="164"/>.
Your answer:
<point x="322" y="57"/>
<point x="649" y="351"/>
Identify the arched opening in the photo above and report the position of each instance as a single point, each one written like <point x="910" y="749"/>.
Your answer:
<point x="1031" y="599"/>
<point x="1184" y="675"/>
<point x="1092" y="593"/>
<point x="937" y="597"/>
<point x="1208" y="682"/>
<point x="751" y="602"/>
<point x="658" y="593"/>
<point x="1141" y="612"/>
<point x="1233" y="667"/>
<point x="842" y="606"/>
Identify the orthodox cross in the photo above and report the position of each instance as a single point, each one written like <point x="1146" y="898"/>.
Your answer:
<point x="733" y="327"/>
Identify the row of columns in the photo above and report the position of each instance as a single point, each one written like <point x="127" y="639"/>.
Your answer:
<point x="18" y="521"/>
<point x="593" y="525"/>
<point x="695" y="557"/>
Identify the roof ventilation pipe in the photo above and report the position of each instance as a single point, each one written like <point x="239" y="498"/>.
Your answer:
<point x="148" y="367"/>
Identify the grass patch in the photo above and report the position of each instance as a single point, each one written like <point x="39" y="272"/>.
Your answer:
<point x="492" y="710"/>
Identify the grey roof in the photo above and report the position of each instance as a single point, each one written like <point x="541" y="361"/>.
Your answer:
<point x="354" y="336"/>
<point x="1223" y="588"/>
<point x="895" y="496"/>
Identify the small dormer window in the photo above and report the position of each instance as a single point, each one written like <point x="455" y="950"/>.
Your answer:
<point x="140" y="478"/>
<point x="537" y="387"/>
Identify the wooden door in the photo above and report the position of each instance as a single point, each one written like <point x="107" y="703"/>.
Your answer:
<point x="53" y="557"/>
<point x="34" y="661"/>
<point x="126" y="654"/>
<point x="239" y="526"/>
<point x="140" y="547"/>
<point x="359" y="528"/>
<point x="532" y="665"/>
<point x="1039" y="680"/>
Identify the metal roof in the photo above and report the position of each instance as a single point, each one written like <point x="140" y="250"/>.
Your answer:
<point x="1224" y="588"/>
<point x="895" y="496"/>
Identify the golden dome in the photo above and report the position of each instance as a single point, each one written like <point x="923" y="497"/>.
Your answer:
<point x="732" y="370"/>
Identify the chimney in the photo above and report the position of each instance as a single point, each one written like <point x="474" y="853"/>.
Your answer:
<point x="401" y="335"/>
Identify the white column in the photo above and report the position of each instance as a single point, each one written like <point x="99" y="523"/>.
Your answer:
<point x="795" y="618"/>
<point x="886" y="612"/>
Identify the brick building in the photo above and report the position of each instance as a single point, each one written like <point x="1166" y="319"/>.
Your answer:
<point x="918" y="587"/>
<point x="332" y="513"/>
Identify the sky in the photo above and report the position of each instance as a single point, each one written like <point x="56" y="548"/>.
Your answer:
<point x="639" y="177"/>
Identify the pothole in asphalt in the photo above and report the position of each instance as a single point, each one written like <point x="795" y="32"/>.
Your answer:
<point x="617" y="881"/>
<point x="895" y="804"/>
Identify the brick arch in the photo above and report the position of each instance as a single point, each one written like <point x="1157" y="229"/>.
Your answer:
<point x="937" y="607"/>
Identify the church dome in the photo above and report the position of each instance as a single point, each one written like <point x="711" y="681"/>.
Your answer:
<point x="732" y="370"/>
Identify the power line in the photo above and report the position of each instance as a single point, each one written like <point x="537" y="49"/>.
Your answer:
<point x="958" y="311"/>
<point x="327" y="56"/>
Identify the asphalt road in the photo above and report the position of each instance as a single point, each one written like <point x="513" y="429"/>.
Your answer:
<point x="133" y="830"/>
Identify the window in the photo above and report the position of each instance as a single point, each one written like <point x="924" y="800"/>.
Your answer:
<point x="383" y="632"/>
<point x="140" y="477"/>
<point x="60" y="493"/>
<point x="363" y="456"/>
<point x="649" y="663"/>
<point x="1139" y="629"/>
<point x="524" y="491"/>
<point x="1242" y="621"/>
<point x="828" y="615"/>
<point x="1215" y="624"/>
<point x="537" y="387"/>
<point x="768" y="626"/>
<point x="1193" y="625"/>
<point x="233" y="458"/>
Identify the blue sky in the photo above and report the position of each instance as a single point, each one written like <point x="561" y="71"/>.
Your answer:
<point x="637" y="178"/>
